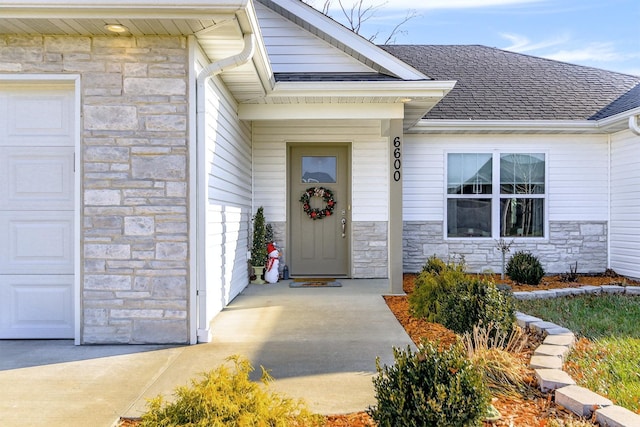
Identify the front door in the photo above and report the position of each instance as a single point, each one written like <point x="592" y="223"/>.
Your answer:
<point x="319" y="224"/>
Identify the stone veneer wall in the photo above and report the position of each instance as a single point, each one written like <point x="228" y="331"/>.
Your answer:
<point x="370" y="250"/>
<point x="584" y="242"/>
<point x="134" y="241"/>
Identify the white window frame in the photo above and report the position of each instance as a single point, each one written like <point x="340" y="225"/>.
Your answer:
<point x="496" y="195"/>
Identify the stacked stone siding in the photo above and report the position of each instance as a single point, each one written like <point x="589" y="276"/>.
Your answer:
<point x="568" y="242"/>
<point x="370" y="250"/>
<point x="134" y="242"/>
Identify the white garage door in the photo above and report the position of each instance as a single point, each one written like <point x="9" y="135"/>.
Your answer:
<point x="36" y="212"/>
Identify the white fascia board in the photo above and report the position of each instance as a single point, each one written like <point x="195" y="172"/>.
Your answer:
<point x="591" y="126"/>
<point x="367" y="89"/>
<point x="143" y="8"/>
<point x="260" y="58"/>
<point x="431" y="125"/>
<point x="350" y="39"/>
<point x="320" y="111"/>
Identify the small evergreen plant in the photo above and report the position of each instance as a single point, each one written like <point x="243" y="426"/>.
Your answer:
<point x="227" y="397"/>
<point x="432" y="387"/>
<point x="259" y="248"/>
<point x="437" y="279"/>
<point x="477" y="302"/>
<point x="445" y="294"/>
<point x="523" y="267"/>
<point x="268" y="233"/>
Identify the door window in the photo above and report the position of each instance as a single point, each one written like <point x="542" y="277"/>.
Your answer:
<point x="319" y="169"/>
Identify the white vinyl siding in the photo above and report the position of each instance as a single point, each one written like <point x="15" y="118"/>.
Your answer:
<point x="625" y="204"/>
<point x="369" y="163"/>
<point x="293" y="49"/>
<point x="577" y="172"/>
<point x="227" y="177"/>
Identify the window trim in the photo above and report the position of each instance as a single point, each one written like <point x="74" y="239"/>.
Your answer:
<point x="496" y="195"/>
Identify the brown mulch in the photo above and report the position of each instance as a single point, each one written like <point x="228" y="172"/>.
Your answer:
<point x="533" y="410"/>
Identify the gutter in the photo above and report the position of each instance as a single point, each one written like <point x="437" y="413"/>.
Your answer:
<point x="411" y="89"/>
<point x="225" y="64"/>
<point x="211" y="70"/>
<point x="504" y="125"/>
<point x="539" y="126"/>
<point x="633" y="124"/>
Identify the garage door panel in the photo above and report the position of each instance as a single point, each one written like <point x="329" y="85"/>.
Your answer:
<point x="36" y="306"/>
<point x="36" y="242"/>
<point x="37" y="210"/>
<point x="37" y="117"/>
<point x="36" y="182"/>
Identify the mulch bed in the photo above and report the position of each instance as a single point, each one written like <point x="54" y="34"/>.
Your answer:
<point x="532" y="410"/>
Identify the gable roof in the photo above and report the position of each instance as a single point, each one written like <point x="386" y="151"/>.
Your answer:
<point x="339" y="36"/>
<point x="494" y="84"/>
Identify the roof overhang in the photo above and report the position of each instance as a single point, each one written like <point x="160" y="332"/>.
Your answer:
<point x="30" y="8"/>
<point x="613" y="124"/>
<point x="219" y="27"/>
<point x="409" y="100"/>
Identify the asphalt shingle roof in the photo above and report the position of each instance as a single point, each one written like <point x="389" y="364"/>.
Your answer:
<point x="494" y="84"/>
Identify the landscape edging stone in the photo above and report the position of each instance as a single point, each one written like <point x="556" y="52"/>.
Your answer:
<point x="613" y="415"/>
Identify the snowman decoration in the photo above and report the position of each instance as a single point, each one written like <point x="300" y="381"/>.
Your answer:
<point x="272" y="273"/>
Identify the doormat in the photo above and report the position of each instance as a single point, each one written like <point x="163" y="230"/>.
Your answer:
<point x="314" y="283"/>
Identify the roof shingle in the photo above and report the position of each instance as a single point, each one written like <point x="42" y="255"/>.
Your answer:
<point x="494" y="84"/>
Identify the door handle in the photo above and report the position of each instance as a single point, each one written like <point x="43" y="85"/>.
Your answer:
<point x="344" y="225"/>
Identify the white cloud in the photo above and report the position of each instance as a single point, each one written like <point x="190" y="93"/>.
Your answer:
<point x="564" y="49"/>
<point x="600" y="52"/>
<point x="520" y="43"/>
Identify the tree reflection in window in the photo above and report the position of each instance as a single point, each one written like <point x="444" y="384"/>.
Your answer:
<point x="522" y="174"/>
<point x="478" y="188"/>
<point x="319" y="169"/>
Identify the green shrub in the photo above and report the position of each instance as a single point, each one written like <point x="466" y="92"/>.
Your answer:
<point x="474" y="301"/>
<point x="227" y="397"/>
<point x="437" y="280"/>
<point x="524" y="267"/>
<point x="434" y="265"/>
<point x="431" y="387"/>
<point x="445" y="294"/>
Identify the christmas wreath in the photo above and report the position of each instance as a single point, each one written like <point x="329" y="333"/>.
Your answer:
<point x="327" y="197"/>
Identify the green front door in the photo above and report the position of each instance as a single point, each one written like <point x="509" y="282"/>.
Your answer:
<point x="319" y="247"/>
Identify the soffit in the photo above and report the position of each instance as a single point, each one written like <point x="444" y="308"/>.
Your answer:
<point x="92" y="26"/>
<point x="220" y="34"/>
<point x="416" y="97"/>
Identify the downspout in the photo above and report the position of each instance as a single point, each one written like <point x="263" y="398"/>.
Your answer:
<point x="633" y="124"/>
<point x="211" y="70"/>
<point x="609" y="201"/>
<point x="225" y="64"/>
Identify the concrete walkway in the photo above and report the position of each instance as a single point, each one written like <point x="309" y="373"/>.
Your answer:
<point x="320" y="344"/>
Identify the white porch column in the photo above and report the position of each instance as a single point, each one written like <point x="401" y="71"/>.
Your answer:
<point x="395" y="205"/>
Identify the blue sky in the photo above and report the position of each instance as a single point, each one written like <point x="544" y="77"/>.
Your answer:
<point x="603" y="34"/>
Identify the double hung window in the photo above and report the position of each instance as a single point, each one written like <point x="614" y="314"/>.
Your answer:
<point x="496" y="195"/>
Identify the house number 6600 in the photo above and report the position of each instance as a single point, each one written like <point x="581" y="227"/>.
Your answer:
<point x="397" y="162"/>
